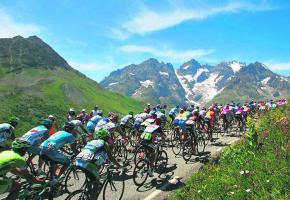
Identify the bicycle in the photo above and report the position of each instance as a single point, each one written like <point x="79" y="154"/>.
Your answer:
<point x="142" y="167"/>
<point x="195" y="142"/>
<point x="108" y="186"/>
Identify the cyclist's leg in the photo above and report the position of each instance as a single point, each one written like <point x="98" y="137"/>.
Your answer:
<point x="92" y="173"/>
<point x="10" y="186"/>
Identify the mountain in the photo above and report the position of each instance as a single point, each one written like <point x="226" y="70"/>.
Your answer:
<point x="150" y="81"/>
<point x="35" y="81"/>
<point x="195" y="83"/>
<point x="254" y="81"/>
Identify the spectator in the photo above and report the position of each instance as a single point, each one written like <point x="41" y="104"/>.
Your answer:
<point x="148" y="108"/>
<point x="54" y="128"/>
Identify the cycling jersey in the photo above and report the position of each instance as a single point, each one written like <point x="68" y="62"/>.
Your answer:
<point x="51" y="146"/>
<point x="126" y="120"/>
<point x="76" y="122"/>
<point x="105" y="124"/>
<point x="6" y="132"/>
<point x="91" y="125"/>
<point x="9" y="160"/>
<point x="173" y="111"/>
<point x="58" y="140"/>
<point x="35" y="137"/>
<point x="93" y="155"/>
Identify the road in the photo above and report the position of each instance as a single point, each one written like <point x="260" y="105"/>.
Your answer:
<point x="177" y="171"/>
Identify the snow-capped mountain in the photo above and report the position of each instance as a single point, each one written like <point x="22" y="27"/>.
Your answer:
<point x="150" y="81"/>
<point x="196" y="83"/>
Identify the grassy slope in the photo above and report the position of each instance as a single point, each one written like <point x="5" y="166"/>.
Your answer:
<point x="35" y="93"/>
<point x="256" y="168"/>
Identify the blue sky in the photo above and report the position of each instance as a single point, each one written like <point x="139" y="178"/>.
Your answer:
<point x="97" y="37"/>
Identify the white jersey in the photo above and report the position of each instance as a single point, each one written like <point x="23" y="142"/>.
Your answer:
<point x="5" y="132"/>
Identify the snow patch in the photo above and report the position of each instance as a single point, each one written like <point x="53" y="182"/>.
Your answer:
<point x="189" y="78"/>
<point x="236" y="66"/>
<point x="188" y="92"/>
<point x="199" y="72"/>
<point x="186" y="66"/>
<point x="146" y="83"/>
<point x="265" y="81"/>
<point x="208" y="87"/>
<point x="164" y="73"/>
<point x="115" y="83"/>
<point x="284" y="79"/>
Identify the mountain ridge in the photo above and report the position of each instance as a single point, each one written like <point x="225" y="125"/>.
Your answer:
<point x="36" y="82"/>
<point x="201" y="83"/>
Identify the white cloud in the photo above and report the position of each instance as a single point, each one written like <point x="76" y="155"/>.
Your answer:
<point x="278" y="66"/>
<point x="9" y="27"/>
<point x="147" y="20"/>
<point x="166" y="53"/>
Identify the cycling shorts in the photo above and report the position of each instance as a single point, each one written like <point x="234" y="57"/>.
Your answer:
<point x="55" y="155"/>
<point x="148" y="145"/>
<point x="90" y="169"/>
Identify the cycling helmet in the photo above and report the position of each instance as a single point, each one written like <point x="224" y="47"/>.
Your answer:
<point x="71" y="110"/>
<point x="20" y="144"/>
<point x="51" y="117"/>
<point x="103" y="133"/>
<point x="47" y="123"/>
<point x="13" y="120"/>
<point x="131" y="113"/>
<point x="69" y="126"/>
<point x="190" y="109"/>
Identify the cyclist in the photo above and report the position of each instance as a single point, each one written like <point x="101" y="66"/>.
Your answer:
<point x="52" y="149"/>
<point x="78" y="124"/>
<point x="7" y="133"/>
<point x="173" y="112"/>
<point x="13" y="161"/>
<point x="126" y="122"/>
<point x="147" y="142"/>
<point x="35" y="137"/>
<point x="91" y="125"/>
<point x="93" y="156"/>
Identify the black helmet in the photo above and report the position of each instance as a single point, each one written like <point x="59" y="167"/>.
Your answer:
<point x="69" y="126"/>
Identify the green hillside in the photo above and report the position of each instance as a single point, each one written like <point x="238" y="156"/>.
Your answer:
<point x="33" y="91"/>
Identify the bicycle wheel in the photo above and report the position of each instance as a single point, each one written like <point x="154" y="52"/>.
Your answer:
<point x="120" y="153"/>
<point x="187" y="150"/>
<point x="140" y="172"/>
<point x="139" y="154"/>
<point x="133" y="138"/>
<point x="78" y="195"/>
<point x="74" y="180"/>
<point x="201" y="143"/>
<point x="175" y="143"/>
<point x="161" y="161"/>
<point x="114" y="189"/>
